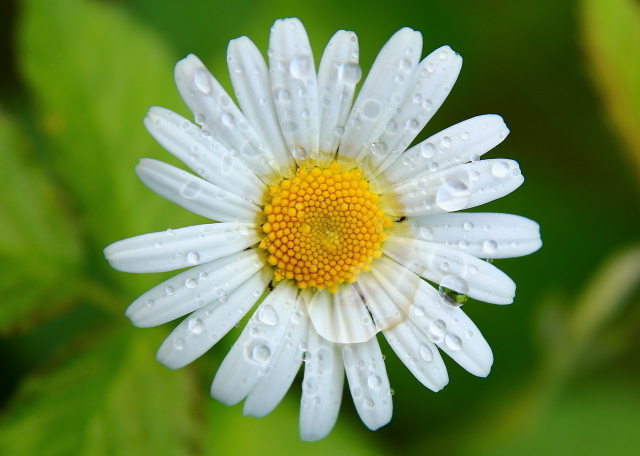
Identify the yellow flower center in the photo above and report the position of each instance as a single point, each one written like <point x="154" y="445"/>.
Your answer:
<point x="323" y="227"/>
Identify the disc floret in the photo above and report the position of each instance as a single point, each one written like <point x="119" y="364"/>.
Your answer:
<point x="323" y="227"/>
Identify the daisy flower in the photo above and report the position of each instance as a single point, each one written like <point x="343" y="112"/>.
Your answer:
<point x="321" y="206"/>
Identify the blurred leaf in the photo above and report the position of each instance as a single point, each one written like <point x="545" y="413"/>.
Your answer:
<point x="95" y="72"/>
<point x="601" y="418"/>
<point x="38" y="245"/>
<point x="277" y="434"/>
<point x="111" y="399"/>
<point x="612" y="38"/>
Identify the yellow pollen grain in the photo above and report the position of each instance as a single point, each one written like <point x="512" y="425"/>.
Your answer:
<point x="323" y="228"/>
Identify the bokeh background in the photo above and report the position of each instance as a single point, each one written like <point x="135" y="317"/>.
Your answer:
<point x="76" y="79"/>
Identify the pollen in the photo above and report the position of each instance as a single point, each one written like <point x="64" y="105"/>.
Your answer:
<point x="323" y="227"/>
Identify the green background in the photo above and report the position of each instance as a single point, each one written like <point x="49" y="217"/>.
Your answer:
<point x="76" y="79"/>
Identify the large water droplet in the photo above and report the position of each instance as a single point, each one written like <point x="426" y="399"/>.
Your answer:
<point x="453" y="195"/>
<point x="349" y="73"/>
<point x="193" y="257"/>
<point x="490" y="246"/>
<point x="299" y="66"/>
<point x="227" y="119"/>
<point x="453" y="290"/>
<point x="436" y="332"/>
<point x="371" y="109"/>
<point x="299" y="153"/>
<point x="427" y="150"/>
<point x="196" y="325"/>
<point x="379" y="148"/>
<point x="453" y="342"/>
<point x="426" y="353"/>
<point x="261" y="353"/>
<point x="374" y="381"/>
<point x="268" y="315"/>
<point x="500" y="168"/>
<point x="178" y="344"/>
<point x="191" y="189"/>
<point x="202" y="81"/>
<point x="191" y="283"/>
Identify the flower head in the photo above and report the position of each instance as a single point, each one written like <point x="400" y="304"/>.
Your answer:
<point x="321" y="206"/>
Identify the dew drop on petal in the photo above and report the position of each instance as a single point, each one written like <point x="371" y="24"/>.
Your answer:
<point x="268" y="315"/>
<point x="490" y="246"/>
<point x="196" y="325"/>
<point x="261" y="353"/>
<point x="299" y="153"/>
<point x="453" y="342"/>
<point x="379" y="148"/>
<point x="193" y="257"/>
<point x="500" y="168"/>
<point x="299" y="66"/>
<point x="426" y="353"/>
<point x="349" y="73"/>
<point x="453" y="290"/>
<point x="374" y="381"/>
<point x="202" y="81"/>
<point x="453" y="195"/>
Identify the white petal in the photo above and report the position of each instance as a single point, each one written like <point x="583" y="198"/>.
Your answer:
<point x="463" y="142"/>
<point x="284" y="364"/>
<point x="341" y="318"/>
<point x="250" y="357"/>
<point x="452" y="330"/>
<point x="175" y="249"/>
<point x="431" y="83"/>
<point x="386" y="313"/>
<point x="448" y="327"/>
<point x="419" y="354"/>
<point x="382" y="93"/>
<point x="203" y="154"/>
<point x="194" y="288"/>
<point x="435" y="262"/>
<point x="221" y="118"/>
<point x="321" y="387"/>
<point x="338" y="75"/>
<point x="250" y="79"/>
<point x="484" y="235"/>
<point x="195" y="194"/>
<point x="368" y="382"/>
<point x="206" y="326"/>
<point x="454" y="189"/>
<point x="294" y="88"/>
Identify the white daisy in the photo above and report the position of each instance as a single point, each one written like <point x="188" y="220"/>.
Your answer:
<point x="322" y="206"/>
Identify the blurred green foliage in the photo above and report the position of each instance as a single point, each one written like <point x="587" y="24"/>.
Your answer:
<point x="78" y="380"/>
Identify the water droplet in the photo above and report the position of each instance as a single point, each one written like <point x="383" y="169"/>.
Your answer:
<point x="453" y="290"/>
<point x="191" y="283"/>
<point x="446" y="142"/>
<point x="310" y="387"/>
<point x="427" y="150"/>
<point x="338" y="130"/>
<point x="465" y="136"/>
<point x="191" y="189"/>
<point x="405" y="64"/>
<point x="178" y="344"/>
<point x="349" y="73"/>
<point x="412" y="124"/>
<point x="150" y="303"/>
<point x="379" y="148"/>
<point x="419" y="311"/>
<point x="500" y="168"/>
<point x="417" y="98"/>
<point x="391" y="127"/>
<point x="473" y="270"/>
<point x="299" y="153"/>
<point x="244" y="230"/>
<point x="490" y="246"/>
<point x="157" y="245"/>
<point x="169" y="291"/>
<point x="426" y="232"/>
<point x="426" y="353"/>
<point x="261" y="353"/>
<point x="196" y="325"/>
<point x="368" y="403"/>
<point x="202" y="81"/>
<point x="443" y="55"/>
<point x="453" y="342"/>
<point x="282" y="95"/>
<point x="371" y="109"/>
<point x="268" y="315"/>
<point x="356" y="392"/>
<point x="463" y="244"/>
<point x="289" y="127"/>
<point x="453" y="195"/>
<point x="374" y="381"/>
<point x="193" y="257"/>
<point x="468" y="334"/>
<point x="436" y="331"/>
<point x="299" y="66"/>
<point x="227" y="119"/>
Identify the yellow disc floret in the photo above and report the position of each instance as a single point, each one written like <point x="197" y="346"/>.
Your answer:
<point x="323" y="227"/>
